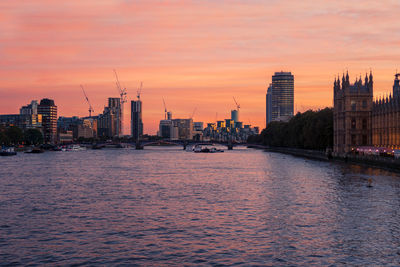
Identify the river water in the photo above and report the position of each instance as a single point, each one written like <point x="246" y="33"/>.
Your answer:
<point x="165" y="206"/>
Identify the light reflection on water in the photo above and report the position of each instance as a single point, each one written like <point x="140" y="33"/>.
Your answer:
<point x="164" y="206"/>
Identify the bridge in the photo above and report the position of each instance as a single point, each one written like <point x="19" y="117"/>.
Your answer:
<point x="183" y="143"/>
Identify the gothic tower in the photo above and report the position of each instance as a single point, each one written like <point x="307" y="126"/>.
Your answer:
<point x="352" y="109"/>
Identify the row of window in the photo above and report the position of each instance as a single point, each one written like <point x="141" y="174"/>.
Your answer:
<point x="353" y="104"/>
<point x="354" y="123"/>
<point x="364" y="140"/>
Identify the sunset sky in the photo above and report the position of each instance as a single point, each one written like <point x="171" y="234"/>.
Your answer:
<point x="193" y="53"/>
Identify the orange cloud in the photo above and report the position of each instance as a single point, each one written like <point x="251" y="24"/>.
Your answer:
<point x="192" y="53"/>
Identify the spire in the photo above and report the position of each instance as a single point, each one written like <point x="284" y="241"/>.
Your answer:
<point x="370" y="82"/>
<point x="396" y="85"/>
<point x="343" y="81"/>
<point x="347" y="77"/>
<point x="366" y="79"/>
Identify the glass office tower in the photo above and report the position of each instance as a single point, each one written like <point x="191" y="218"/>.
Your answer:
<point x="282" y="96"/>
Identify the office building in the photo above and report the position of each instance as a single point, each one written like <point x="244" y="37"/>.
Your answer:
<point x="109" y="123"/>
<point x="136" y="120"/>
<point x="176" y="129"/>
<point x="282" y="96"/>
<point x="18" y="120"/>
<point x="184" y="127"/>
<point x="48" y="110"/>
<point x="268" y="105"/>
<point x="235" y="115"/>
<point x="31" y="110"/>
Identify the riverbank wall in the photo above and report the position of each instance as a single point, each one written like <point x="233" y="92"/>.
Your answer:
<point x="386" y="163"/>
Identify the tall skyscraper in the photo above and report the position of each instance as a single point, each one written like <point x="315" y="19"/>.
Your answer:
<point x="114" y="104"/>
<point x="282" y="96"/>
<point x="48" y="110"/>
<point x="268" y="105"/>
<point x="235" y="115"/>
<point x="109" y="123"/>
<point x="136" y="120"/>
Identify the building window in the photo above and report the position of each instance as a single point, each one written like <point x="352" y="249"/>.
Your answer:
<point x="353" y="105"/>
<point x="353" y="123"/>
<point x="353" y="139"/>
<point x="340" y="106"/>
<point x="364" y="104"/>
<point x="364" y="140"/>
<point x="364" y="124"/>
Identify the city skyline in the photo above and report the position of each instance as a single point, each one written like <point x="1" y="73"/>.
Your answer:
<point x="194" y="55"/>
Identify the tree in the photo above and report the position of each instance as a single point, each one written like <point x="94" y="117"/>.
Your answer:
<point x="33" y="137"/>
<point x="308" y="130"/>
<point x="15" y="135"/>
<point x="3" y="139"/>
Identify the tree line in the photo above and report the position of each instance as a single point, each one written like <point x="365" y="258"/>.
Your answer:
<point x="308" y="130"/>
<point x="13" y="135"/>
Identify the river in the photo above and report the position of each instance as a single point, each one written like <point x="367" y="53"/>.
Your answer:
<point x="164" y="206"/>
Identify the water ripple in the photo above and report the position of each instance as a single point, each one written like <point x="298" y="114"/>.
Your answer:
<point x="169" y="207"/>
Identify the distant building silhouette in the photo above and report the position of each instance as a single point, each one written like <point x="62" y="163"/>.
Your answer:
<point x="136" y="120"/>
<point x="235" y="115"/>
<point x="176" y="129"/>
<point x="48" y="110"/>
<point x="109" y="123"/>
<point x="35" y="120"/>
<point x="268" y="105"/>
<point x="78" y="127"/>
<point x="27" y="118"/>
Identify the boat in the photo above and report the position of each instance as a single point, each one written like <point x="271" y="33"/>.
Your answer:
<point x="35" y="150"/>
<point x="8" y="151"/>
<point x="97" y="146"/>
<point x="206" y="148"/>
<point x="76" y="148"/>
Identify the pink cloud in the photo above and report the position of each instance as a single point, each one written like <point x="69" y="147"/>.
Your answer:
<point x="190" y="52"/>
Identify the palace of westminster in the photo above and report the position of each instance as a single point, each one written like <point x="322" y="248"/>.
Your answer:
<point x="361" y="121"/>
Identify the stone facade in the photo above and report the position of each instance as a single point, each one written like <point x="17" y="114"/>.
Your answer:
<point x="352" y="113"/>
<point x="386" y="119"/>
<point x="360" y="121"/>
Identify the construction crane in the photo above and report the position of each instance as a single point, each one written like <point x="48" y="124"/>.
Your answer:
<point x="87" y="100"/>
<point x="237" y="105"/>
<point x="139" y="91"/>
<point x="122" y="93"/>
<point x="165" y="109"/>
<point x="194" y="111"/>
